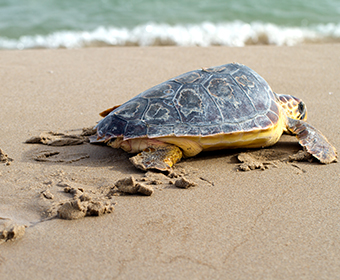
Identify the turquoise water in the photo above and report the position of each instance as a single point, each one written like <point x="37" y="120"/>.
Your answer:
<point x="81" y="23"/>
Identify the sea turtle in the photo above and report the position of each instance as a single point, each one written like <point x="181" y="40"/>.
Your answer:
<point x="228" y="106"/>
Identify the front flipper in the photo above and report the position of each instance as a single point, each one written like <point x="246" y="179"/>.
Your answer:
<point x="315" y="143"/>
<point x="161" y="157"/>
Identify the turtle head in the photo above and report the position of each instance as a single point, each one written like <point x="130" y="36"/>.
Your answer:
<point x="294" y="107"/>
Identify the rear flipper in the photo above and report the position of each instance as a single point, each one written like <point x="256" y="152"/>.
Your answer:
<point x="161" y="157"/>
<point x="108" y="111"/>
<point x="315" y="143"/>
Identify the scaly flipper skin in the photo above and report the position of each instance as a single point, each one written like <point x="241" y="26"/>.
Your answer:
<point x="315" y="143"/>
<point x="161" y="157"/>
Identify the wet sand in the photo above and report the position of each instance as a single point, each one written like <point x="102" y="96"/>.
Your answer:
<point x="278" y="221"/>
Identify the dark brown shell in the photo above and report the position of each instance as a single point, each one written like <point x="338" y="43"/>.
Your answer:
<point x="223" y="99"/>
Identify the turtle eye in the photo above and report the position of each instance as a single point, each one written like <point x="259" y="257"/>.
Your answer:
<point x="302" y="110"/>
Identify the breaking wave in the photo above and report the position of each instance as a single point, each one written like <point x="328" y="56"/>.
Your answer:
<point x="233" y="34"/>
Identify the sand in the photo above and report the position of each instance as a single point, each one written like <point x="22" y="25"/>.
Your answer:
<point x="62" y="215"/>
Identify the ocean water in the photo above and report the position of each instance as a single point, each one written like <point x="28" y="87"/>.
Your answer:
<point x="26" y="24"/>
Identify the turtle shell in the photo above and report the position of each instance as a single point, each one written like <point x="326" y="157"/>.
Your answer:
<point x="219" y="100"/>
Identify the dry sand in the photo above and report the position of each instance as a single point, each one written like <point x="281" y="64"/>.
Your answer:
<point x="280" y="222"/>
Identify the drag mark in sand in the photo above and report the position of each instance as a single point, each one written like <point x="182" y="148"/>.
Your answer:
<point x="55" y="156"/>
<point x="265" y="158"/>
<point x="208" y="181"/>
<point x="58" y="139"/>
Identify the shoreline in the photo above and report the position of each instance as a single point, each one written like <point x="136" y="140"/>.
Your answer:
<point x="204" y="34"/>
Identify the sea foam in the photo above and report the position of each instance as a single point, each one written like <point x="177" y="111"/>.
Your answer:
<point x="233" y="34"/>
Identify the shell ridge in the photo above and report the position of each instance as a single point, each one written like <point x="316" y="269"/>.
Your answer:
<point x="205" y="80"/>
<point x="269" y="120"/>
<point x="214" y="102"/>
<point x="260" y="82"/>
<point x="234" y="72"/>
<point x="175" y="81"/>
<point x="207" y="77"/>
<point x="145" y="110"/>
<point x="175" y="102"/>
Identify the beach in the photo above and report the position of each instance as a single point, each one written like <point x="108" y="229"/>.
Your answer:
<point x="278" y="223"/>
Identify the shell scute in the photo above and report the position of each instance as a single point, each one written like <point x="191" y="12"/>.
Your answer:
<point x="132" y="109"/>
<point x="160" y="130"/>
<point x="263" y="121"/>
<point x="245" y="82"/>
<point x="230" y="127"/>
<point x="190" y="77"/>
<point x="255" y="88"/>
<point x="160" y="113"/>
<point x="233" y="103"/>
<point x="224" y="69"/>
<point x="164" y="90"/>
<point x="273" y="117"/>
<point x="111" y="126"/>
<point x="186" y="130"/>
<point x="135" y="129"/>
<point x="249" y="125"/>
<point x="274" y="108"/>
<point x="196" y="106"/>
<point x="189" y="102"/>
<point x="210" y="130"/>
